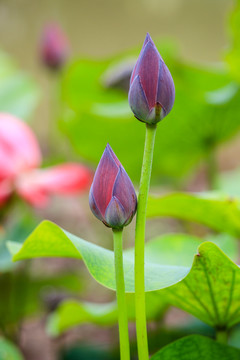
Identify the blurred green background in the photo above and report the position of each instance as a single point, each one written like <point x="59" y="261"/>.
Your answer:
<point x="74" y="114"/>
<point x="101" y="28"/>
<point x="186" y="32"/>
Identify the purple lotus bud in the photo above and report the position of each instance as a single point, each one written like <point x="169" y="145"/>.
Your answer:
<point x="151" y="94"/>
<point x="112" y="197"/>
<point x="54" y="47"/>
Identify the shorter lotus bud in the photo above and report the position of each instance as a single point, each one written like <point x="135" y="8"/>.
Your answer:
<point x="112" y="197"/>
<point x="151" y="93"/>
<point x="54" y="47"/>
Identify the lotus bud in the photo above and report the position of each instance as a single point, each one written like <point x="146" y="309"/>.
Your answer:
<point x="54" y="47"/>
<point x="152" y="93"/>
<point x="112" y="197"/>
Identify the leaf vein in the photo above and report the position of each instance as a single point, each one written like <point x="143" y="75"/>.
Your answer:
<point x="211" y="291"/>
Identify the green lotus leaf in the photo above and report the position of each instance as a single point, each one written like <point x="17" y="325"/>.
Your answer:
<point x="197" y="347"/>
<point x="18" y="92"/>
<point x="48" y="240"/>
<point x="9" y="351"/>
<point x="219" y="212"/>
<point x="211" y="290"/>
<point x="71" y="313"/>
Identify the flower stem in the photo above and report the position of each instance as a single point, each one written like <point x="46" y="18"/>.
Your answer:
<point x="121" y="297"/>
<point x="141" y="324"/>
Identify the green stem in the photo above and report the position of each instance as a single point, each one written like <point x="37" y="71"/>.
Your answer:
<point x="121" y="296"/>
<point x="222" y="336"/>
<point x="141" y="324"/>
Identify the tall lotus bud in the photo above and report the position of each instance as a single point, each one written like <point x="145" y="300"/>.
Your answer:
<point x="151" y="94"/>
<point x="112" y="197"/>
<point x="54" y="47"/>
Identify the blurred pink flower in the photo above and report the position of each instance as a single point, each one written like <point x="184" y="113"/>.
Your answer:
<point x="54" y="47"/>
<point x="20" y="159"/>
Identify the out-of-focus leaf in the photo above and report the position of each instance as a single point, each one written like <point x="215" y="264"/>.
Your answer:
<point x="5" y="257"/>
<point x="179" y="249"/>
<point x="229" y="182"/>
<point x="234" y="338"/>
<point x="19" y="94"/>
<point x="218" y="212"/>
<point x="18" y="231"/>
<point x="9" y="351"/>
<point x="204" y="115"/>
<point x="222" y="95"/>
<point x="73" y="313"/>
<point x="197" y="347"/>
<point x="233" y="54"/>
<point x="22" y="295"/>
<point x="86" y="352"/>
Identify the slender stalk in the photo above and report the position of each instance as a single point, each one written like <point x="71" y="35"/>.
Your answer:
<point x="141" y="324"/>
<point x="222" y="336"/>
<point x="121" y="297"/>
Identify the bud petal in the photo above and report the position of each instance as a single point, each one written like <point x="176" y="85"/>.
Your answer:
<point x="123" y="189"/>
<point x="93" y="206"/>
<point x="138" y="100"/>
<point x="115" y="216"/>
<point x="166" y="89"/>
<point x="151" y="94"/>
<point x="112" y="197"/>
<point x="104" y="180"/>
<point x="148" y="71"/>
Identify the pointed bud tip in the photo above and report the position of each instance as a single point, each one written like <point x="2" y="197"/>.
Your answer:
<point x="112" y="153"/>
<point x="108" y="147"/>
<point x="147" y="40"/>
<point x="148" y="37"/>
<point x="107" y="151"/>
